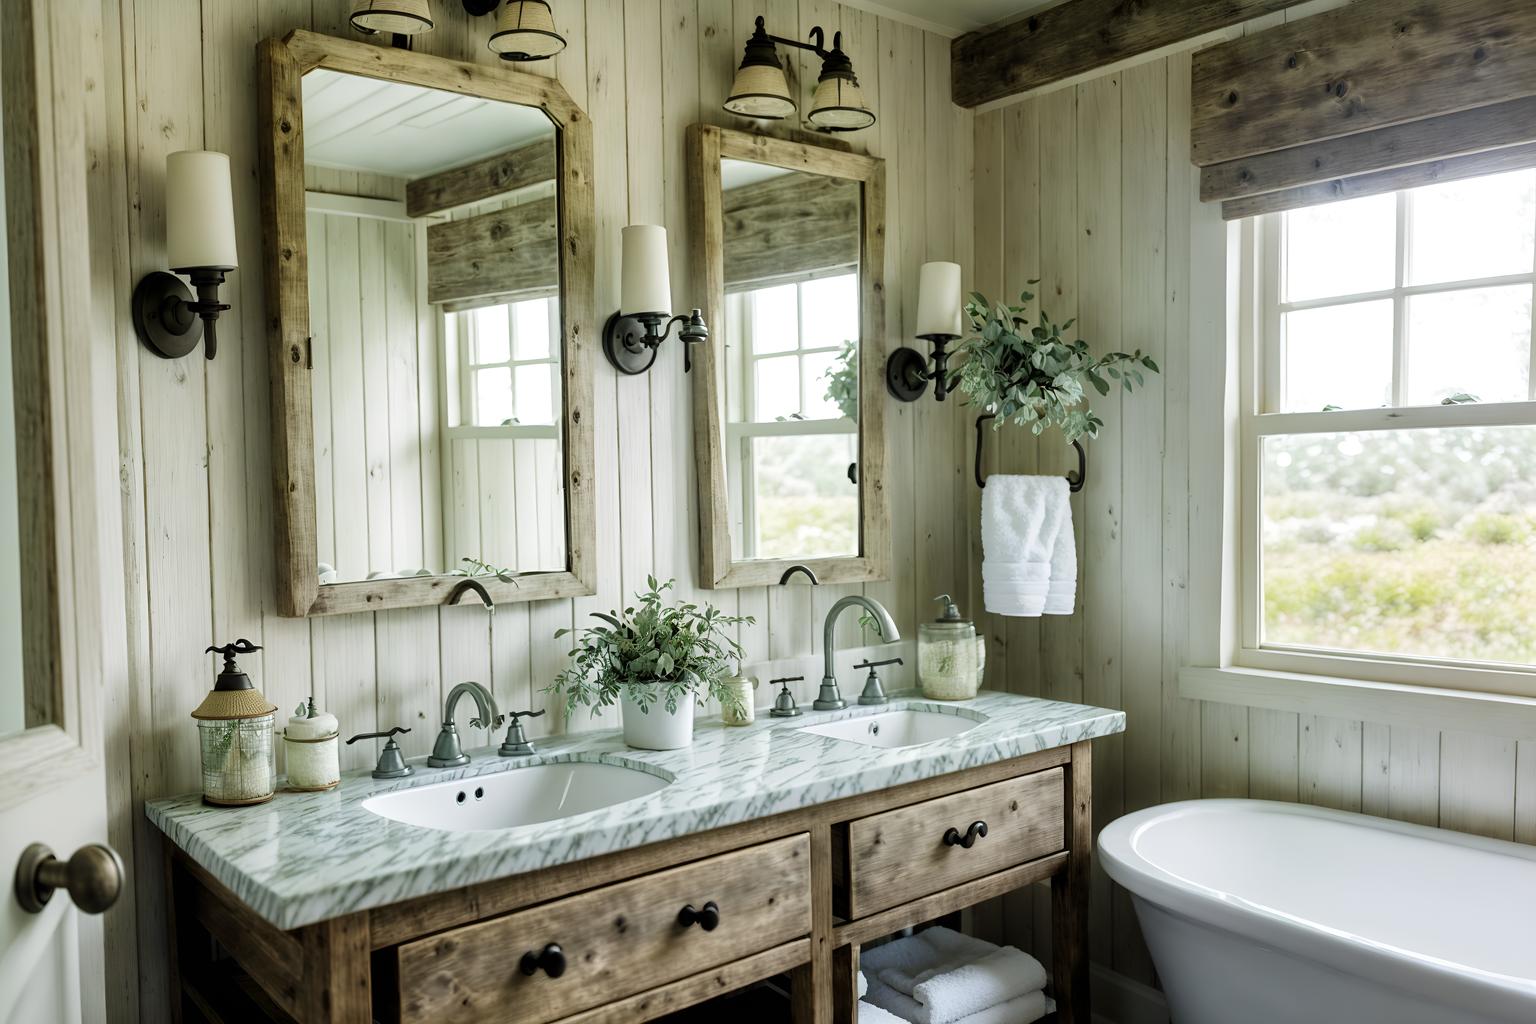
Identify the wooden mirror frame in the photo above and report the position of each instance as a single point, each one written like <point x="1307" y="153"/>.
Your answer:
<point x="707" y="146"/>
<point x="283" y="63"/>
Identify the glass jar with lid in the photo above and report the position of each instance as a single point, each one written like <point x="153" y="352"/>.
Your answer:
<point x="235" y="734"/>
<point x="950" y="656"/>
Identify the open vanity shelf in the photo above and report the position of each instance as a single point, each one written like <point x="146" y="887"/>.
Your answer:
<point x="796" y="893"/>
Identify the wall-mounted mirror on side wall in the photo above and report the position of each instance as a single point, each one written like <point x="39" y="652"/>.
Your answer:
<point x="430" y="425"/>
<point x="789" y="434"/>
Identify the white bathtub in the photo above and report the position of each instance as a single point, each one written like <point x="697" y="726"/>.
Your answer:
<point x="1271" y="913"/>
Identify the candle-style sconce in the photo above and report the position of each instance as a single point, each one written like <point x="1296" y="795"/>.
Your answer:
<point x="634" y="333"/>
<point x="938" y="322"/>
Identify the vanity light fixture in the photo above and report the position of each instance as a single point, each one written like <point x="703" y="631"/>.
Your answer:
<point x="938" y="323"/>
<point x="200" y="244"/>
<point x="525" y="31"/>
<point x="760" y="89"/>
<point x="400" y="18"/>
<point x="633" y="334"/>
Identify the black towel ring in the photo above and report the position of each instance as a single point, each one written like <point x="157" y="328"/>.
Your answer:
<point x="1075" y="481"/>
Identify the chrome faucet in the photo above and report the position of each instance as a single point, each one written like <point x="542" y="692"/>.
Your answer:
<point x="829" y="699"/>
<point x="446" y="752"/>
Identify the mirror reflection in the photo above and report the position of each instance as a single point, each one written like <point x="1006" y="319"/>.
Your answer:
<point x="434" y="282"/>
<point x="790" y="364"/>
<point x="14" y="713"/>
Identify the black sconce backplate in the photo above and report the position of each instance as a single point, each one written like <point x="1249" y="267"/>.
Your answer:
<point x="906" y="374"/>
<point x="624" y="344"/>
<point x="161" y="316"/>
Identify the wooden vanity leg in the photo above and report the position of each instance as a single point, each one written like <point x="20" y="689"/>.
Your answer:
<point x="812" y="995"/>
<point x="337" y="986"/>
<point x="845" y="985"/>
<point x="1069" y="896"/>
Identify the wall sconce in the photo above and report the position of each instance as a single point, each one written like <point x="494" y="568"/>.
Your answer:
<point x="400" y="18"/>
<point x="938" y="322"/>
<point x="525" y="31"/>
<point x="633" y="334"/>
<point x="760" y="89"/>
<point x="199" y="243"/>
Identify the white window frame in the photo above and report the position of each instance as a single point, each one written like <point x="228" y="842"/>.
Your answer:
<point x="740" y="435"/>
<point x="1259" y="382"/>
<point x="462" y="369"/>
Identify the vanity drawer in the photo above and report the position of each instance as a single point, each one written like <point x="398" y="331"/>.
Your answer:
<point x="616" y="941"/>
<point x="887" y="859"/>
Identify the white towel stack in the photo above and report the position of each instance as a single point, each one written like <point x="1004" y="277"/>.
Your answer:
<point x="1029" y="555"/>
<point x="939" y="976"/>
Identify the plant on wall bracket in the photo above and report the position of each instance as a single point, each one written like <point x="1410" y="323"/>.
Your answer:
<point x="1031" y="376"/>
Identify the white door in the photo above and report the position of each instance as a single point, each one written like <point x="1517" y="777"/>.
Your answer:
<point x="52" y="787"/>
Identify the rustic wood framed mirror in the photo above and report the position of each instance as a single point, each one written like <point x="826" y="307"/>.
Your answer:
<point x="428" y="229"/>
<point x="788" y="407"/>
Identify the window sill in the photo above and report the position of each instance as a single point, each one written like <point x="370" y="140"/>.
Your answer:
<point x="1386" y="703"/>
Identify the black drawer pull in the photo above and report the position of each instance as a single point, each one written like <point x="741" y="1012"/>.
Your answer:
<point x="978" y="830"/>
<point x="551" y="960"/>
<point x="708" y="918"/>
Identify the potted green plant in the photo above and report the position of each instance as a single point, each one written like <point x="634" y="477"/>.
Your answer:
<point x="1030" y="375"/>
<point x="655" y="660"/>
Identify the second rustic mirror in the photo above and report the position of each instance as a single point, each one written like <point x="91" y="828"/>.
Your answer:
<point x="788" y="424"/>
<point x="439" y="215"/>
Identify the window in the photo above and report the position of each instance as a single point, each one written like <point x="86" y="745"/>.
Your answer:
<point x="1389" y="438"/>
<point x="792" y="430"/>
<point x="509" y="355"/>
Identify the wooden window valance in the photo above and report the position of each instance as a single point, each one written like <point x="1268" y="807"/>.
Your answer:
<point x="1373" y="97"/>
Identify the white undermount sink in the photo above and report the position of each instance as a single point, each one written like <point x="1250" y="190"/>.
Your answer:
<point x="905" y="728"/>
<point x="521" y="796"/>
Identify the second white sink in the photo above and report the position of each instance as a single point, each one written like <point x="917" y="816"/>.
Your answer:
<point x="905" y="728"/>
<point x="521" y="796"/>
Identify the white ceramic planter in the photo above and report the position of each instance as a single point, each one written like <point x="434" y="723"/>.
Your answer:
<point x="656" y="728"/>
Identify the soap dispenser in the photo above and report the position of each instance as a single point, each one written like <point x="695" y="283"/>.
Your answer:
<point x="950" y="656"/>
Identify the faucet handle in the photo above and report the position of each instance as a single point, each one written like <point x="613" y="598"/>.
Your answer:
<point x="377" y="735"/>
<point x="515" y="715"/>
<point x="391" y="763"/>
<point x="877" y="664"/>
<point x="785" y="679"/>
<point x="516" y="744"/>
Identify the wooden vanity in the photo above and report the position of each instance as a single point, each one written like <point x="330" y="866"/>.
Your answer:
<point x="795" y="893"/>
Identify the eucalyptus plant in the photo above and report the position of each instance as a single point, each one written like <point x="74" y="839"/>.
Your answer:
<point x="663" y="652"/>
<point x="1029" y="374"/>
<point x="842" y="380"/>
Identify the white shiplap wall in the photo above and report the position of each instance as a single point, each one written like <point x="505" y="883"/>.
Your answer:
<point x="165" y="75"/>
<point x="1089" y="187"/>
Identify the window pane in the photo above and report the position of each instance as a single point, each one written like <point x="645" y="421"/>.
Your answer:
<point x="775" y="319"/>
<point x="1338" y="356"/>
<point x="531" y="329"/>
<point x="805" y="506"/>
<point x="535" y="398"/>
<point x="1341" y="248"/>
<point x="493" y="396"/>
<point x="816" y="404"/>
<point x="776" y="391"/>
<point x="490" y="334"/>
<point x="1481" y="227"/>
<point x="1408" y="542"/>
<point x="1475" y="342"/>
<point x="830" y="313"/>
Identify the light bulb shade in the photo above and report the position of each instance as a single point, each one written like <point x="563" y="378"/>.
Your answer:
<point x="760" y="90"/>
<point x="938" y="299"/>
<point x="838" y="105"/>
<point x="525" y="30"/>
<point x="199" y="211"/>
<point x="399" y="17"/>
<point x="645" y="285"/>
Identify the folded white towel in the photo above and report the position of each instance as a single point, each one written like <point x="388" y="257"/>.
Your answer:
<point x="1023" y="1010"/>
<point x="912" y="954"/>
<point x="886" y="998"/>
<point x="1021" y="517"/>
<point x="869" y="1013"/>
<point x="1062" y="593"/>
<point x="1017" y="588"/>
<point x="1002" y="975"/>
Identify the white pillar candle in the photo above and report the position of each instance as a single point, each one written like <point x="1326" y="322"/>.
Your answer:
<point x="199" y="211"/>
<point x="646" y="285"/>
<point x="938" y="299"/>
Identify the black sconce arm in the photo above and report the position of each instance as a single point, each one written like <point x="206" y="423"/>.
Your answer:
<point x="630" y="342"/>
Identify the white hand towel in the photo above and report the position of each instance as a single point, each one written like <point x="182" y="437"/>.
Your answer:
<point x="957" y="945"/>
<point x="1023" y="1010"/>
<point x="911" y="954"/>
<point x="1020" y="519"/>
<point x="1062" y="592"/>
<point x="886" y="998"/>
<point x="869" y="1013"/>
<point x="1000" y="976"/>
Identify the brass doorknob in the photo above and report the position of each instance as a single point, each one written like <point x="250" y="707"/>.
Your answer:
<point x="93" y="877"/>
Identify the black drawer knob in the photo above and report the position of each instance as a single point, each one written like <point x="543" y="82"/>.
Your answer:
<point x="978" y="830"/>
<point x="708" y="918"/>
<point x="550" y="960"/>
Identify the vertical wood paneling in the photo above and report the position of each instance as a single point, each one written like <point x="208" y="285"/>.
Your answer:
<point x="194" y="436"/>
<point x="1477" y="784"/>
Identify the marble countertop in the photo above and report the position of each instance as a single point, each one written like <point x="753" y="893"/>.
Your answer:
<point x="307" y="857"/>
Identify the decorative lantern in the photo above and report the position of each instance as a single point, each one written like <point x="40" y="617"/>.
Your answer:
<point x="234" y="724"/>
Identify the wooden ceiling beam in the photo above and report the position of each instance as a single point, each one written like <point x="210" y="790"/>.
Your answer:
<point x="1078" y="36"/>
